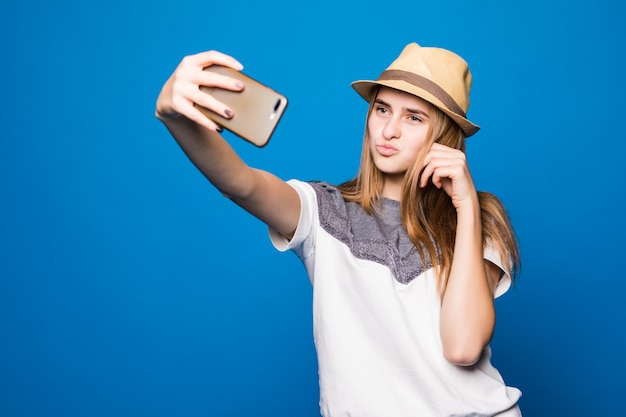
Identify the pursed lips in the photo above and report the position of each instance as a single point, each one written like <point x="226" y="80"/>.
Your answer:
<point x="386" y="149"/>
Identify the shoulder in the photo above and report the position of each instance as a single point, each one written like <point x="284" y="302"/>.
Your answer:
<point x="326" y="191"/>
<point x="323" y="191"/>
<point x="330" y="200"/>
<point x="325" y="199"/>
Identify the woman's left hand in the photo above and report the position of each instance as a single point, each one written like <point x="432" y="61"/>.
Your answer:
<point x="448" y="169"/>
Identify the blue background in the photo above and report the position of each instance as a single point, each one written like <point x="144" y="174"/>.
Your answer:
<point x="129" y="286"/>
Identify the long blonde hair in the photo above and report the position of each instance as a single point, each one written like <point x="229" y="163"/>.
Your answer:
<point x="428" y="213"/>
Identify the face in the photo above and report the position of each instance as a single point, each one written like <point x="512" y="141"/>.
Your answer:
<point x="397" y="129"/>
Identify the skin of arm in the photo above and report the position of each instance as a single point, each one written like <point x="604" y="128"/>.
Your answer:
<point x="259" y="192"/>
<point x="467" y="311"/>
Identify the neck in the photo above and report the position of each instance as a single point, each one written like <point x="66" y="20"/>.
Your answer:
<point x="392" y="187"/>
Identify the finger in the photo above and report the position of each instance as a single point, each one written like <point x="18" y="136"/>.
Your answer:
<point x="206" y="100"/>
<point x="424" y="178"/>
<point x="424" y="175"/>
<point x="195" y="115"/>
<point x="196" y="75"/>
<point x="204" y="59"/>
<point x="211" y="79"/>
<point x="431" y="173"/>
<point x="437" y="170"/>
<point x="431" y="162"/>
<point x="436" y="179"/>
<point x="184" y="97"/>
<point x="442" y="174"/>
<point x="185" y="92"/>
<point x="444" y="154"/>
<point x="451" y="158"/>
<point x="441" y="151"/>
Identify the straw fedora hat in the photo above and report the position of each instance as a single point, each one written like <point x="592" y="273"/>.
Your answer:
<point x="436" y="75"/>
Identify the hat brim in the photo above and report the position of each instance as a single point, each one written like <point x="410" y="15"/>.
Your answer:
<point x="366" y="88"/>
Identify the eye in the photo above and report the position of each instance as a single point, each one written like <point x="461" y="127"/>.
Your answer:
<point x="381" y="110"/>
<point x="415" y="118"/>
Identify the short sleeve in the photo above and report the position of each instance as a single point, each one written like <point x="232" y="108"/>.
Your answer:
<point x="302" y="241"/>
<point x="492" y="255"/>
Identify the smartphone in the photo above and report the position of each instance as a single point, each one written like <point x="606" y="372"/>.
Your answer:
<point x="257" y="108"/>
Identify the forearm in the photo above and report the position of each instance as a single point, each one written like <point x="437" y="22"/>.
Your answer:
<point x="212" y="155"/>
<point x="467" y="311"/>
<point x="259" y="192"/>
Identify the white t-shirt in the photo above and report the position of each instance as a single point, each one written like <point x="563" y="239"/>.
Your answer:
<point x="376" y="318"/>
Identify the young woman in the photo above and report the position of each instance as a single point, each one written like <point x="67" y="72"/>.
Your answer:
<point x="405" y="259"/>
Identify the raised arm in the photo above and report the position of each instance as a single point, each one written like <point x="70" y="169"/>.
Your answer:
<point x="467" y="308"/>
<point x="259" y="192"/>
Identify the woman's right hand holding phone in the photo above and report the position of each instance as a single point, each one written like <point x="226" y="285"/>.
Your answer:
<point x="262" y="194"/>
<point x="182" y="90"/>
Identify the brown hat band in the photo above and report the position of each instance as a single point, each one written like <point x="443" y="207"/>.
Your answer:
<point x="425" y="84"/>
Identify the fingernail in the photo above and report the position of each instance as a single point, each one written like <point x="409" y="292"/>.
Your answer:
<point x="228" y="113"/>
<point x="220" y="129"/>
<point x="239" y="85"/>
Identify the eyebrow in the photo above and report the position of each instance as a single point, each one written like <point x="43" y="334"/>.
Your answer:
<point x="415" y="111"/>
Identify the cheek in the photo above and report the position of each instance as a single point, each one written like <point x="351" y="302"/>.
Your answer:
<point x="417" y="144"/>
<point x="371" y="126"/>
<point x="371" y="133"/>
<point x="416" y="147"/>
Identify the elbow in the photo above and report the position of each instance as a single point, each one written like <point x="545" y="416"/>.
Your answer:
<point x="463" y="342"/>
<point x="466" y="354"/>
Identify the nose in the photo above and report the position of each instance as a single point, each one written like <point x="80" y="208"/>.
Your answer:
<point x="391" y="130"/>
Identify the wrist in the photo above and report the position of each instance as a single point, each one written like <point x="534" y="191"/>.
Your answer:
<point x="468" y="206"/>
